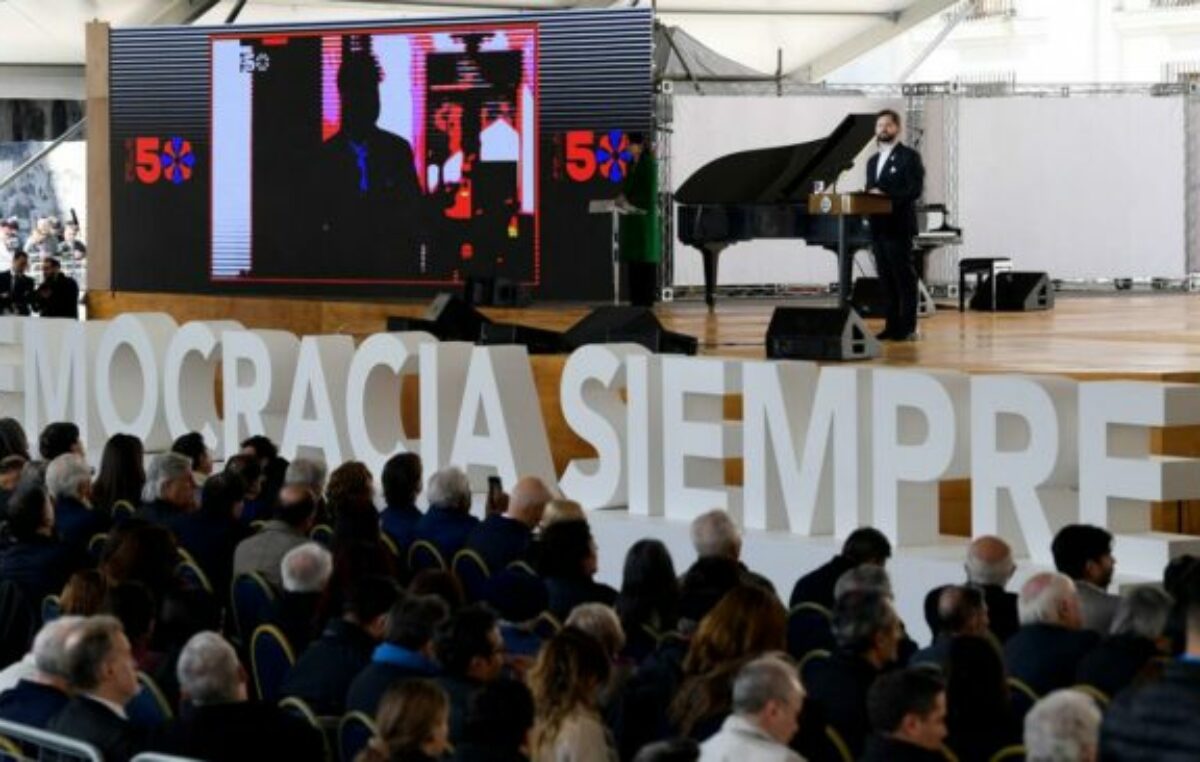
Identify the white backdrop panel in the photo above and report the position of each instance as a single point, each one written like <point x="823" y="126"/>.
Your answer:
<point x="708" y="127"/>
<point x="1079" y="187"/>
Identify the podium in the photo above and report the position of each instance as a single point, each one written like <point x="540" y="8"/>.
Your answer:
<point x="841" y="206"/>
<point x="615" y="209"/>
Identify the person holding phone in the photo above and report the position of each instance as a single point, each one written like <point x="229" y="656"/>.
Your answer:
<point x="505" y="536"/>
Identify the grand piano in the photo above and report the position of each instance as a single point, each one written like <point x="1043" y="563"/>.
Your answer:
<point x="768" y="193"/>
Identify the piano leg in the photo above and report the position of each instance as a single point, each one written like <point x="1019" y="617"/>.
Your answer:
<point x="711" y="255"/>
<point x="845" y="264"/>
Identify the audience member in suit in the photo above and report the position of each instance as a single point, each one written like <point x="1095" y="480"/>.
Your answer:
<point x="504" y="537"/>
<point x="714" y="535"/>
<point x="648" y="604"/>
<point x="69" y="481"/>
<point x="170" y="492"/>
<point x="134" y="606"/>
<point x="407" y="651"/>
<point x="401" y="480"/>
<point x="990" y="566"/>
<point x="323" y="673"/>
<point x="908" y="715"/>
<point x="567" y="564"/>
<point x="767" y="698"/>
<point x="865" y="545"/>
<point x="32" y="557"/>
<point x="980" y="715"/>
<point x="1138" y="640"/>
<point x="1046" y="651"/>
<point x="1066" y="725"/>
<point x="310" y="474"/>
<point x="264" y="551"/>
<point x="122" y="473"/>
<point x="58" y="438"/>
<point x="961" y="612"/>
<point x="218" y="722"/>
<point x="868" y="635"/>
<point x="104" y="679"/>
<point x="212" y="533"/>
<point x="192" y="446"/>
<point x="16" y="288"/>
<point x="305" y="570"/>
<point x="257" y="503"/>
<point x="1084" y="553"/>
<point x="471" y="654"/>
<point x="58" y="296"/>
<point x="448" y="521"/>
<point x="37" y="698"/>
<point x="497" y="725"/>
<point x="518" y="598"/>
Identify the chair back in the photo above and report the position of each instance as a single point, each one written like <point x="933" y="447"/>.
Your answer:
<point x="149" y="708"/>
<point x="809" y="628"/>
<point x="472" y="572"/>
<point x="271" y="659"/>
<point x="253" y="603"/>
<point x="1022" y="696"/>
<point x="423" y="554"/>
<point x="390" y="544"/>
<point x="815" y="655"/>
<point x="298" y="707"/>
<point x="837" y="745"/>
<point x="1010" y="754"/>
<point x="95" y="546"/>
<point x="523" y="567"/>
<point x="192" y="577"/>
<point x="51" y="608"/>
<point x="354" y="733"/>
<point x="122" y="511"/>
<point x="322" y="534"/>
<point x="546" y="625"/>
<point x="1101" y="698"/>
<point x="9" y="751"/>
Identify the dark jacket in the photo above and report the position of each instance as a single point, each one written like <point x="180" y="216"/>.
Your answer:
<point x="323" y="673"/>
<point x="400" y="523"/>
<point x="296" y="616"/>
<point x="1156" y="722"/>
<point x="40" y="566"/>
<point x="242" y="731"/>
<point x="32" y="704"/>
<point x="817" y="585"/>
<point x="446" y="528"/>
<point x="1002" y="612"/>
<point x="500" y="541"/>
<point x="15" y="297"/>
<point x="902" y="180"/>
<point x="837" y="693"/>
<point x="880" y="749"/>
<point x="92" y="722"/>
<point x="1113" y="665"/>
<point x="565" y="593"/>
<point x="937" y="653"/>
<point x="211" y="541"/>
<point x="1045" y="656"/>
<point x="460" y="691"/>
<point x="389" y="664"/>
<point x="159" y="512"/>
<point x="77" y="523"/>
<point x="58" y="298"/>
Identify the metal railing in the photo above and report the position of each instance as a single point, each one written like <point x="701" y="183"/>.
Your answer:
<point x="41" y="745"/>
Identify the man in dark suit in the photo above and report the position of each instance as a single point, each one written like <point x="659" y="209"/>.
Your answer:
<point x="471" y="653"/>
<point x="218" y="722"/>
<point x="407" y="652"/>
<point x="36" y="699"/>
<point x="104" y="677"/>
<point x="16" y="288"/>
<point x="69" y="480"/>
<point x="448" y="521"/>
<point x="990" y="566"/>
<point x="865" y="545"/>
<point x="35" y="560"/>
<point x="1050" y="644"/>
<point x="401" y="480"/>
<point x="961" y="612"/>
<point x="504" y="537"/>
<point x="908" y="715"/>
<point x="58" y="296"/>
<point x="896" y="172"/>
<point x="1130" y="655"/>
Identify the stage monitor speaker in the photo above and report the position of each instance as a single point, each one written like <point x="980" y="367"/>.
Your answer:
<point x="868" y="297"/>
<point x="819" y="333"/>
<point x="397" y="324"/>
<point x="495" y="292"/>
<point x="537" y="341"/>
<point x="1015" y="292"/>
<point x="455" y="319"/>
<point x="628" y="325"/>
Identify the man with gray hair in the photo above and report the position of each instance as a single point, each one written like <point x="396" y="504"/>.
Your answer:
<point x="309" y="474"/>
<point x="1137" y="640"/>
<point x="221" y="723"/>
<point x="45" y="691"/>
<point x="448" y="521"/>
<point x="714" y="535"/>
<point x="767" y="698"/>
<point x="1063" y="727"/>
<point x="169" y="492"/>
<point x="990" y="566"/>
<point x="69" y="482"/>
<point x="1050" y="644"/>
<point x="305" y="570"/>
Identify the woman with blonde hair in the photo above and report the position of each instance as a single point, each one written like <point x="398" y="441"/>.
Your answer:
<point x="569" y="673"/>
<point x="412" y="725"/>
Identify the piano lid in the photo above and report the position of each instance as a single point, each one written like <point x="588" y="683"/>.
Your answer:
<point x="779" y="174"/>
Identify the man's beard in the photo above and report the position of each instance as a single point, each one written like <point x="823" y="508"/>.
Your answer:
<point x="887" y="140"/>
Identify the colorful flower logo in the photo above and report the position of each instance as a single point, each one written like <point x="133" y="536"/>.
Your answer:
<point x="178" y="160"/>
<point x="612" y="153"/>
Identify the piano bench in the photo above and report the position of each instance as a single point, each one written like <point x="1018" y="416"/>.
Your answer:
<point x="980" y="267"/>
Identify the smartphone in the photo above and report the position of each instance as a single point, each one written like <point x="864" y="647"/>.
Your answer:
<point x="495" y="496"/>
<point x="495" y="486"/>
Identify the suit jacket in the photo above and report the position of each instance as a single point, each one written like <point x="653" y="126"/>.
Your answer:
<point x="837" y="692"/>
<point x="77" y="523"/>
<point x="264" y="551"/>
<point x="400" y="522"/>
<point x="1098" y="607"/>
<point x="32" y="704"/>
<point x="880" y="749"/>
<point x="241" y="732"/>
<point x="1045" y="656"/>
<point x="58" y="298"/>
<point x="211" y="540"/>
<point x="1157" y="721"/>
<point x="323" y="673"/>
<point x="41" y="566"/>
<point x="1114" y="664"/>
<point x="1002" y="612"/>
<point x="902" y="180"/>
<point x="90" y="721"/>
<point x="16" y="298"/>
<point x="565" y="593"/>
<point x="500" y="541"/>
<point x="447" y="528"/>
<point x="817" y="586"/>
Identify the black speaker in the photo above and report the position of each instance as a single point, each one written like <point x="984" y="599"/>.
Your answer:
<point x="628" y="325"/>
<point x="1015" y="292"/>
<point x="868" y="297"/>
<point x="537" y="341"/>
<point x="448" y="317"/>
<point x="819" y="333"/>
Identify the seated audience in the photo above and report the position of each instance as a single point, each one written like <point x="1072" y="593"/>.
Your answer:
<point x="979" y="715"/>
<point x="257" y="505"/>
<point x="1084" y="553"/>
<point x="358" y="549"/>
<point x="569" y="672"/>
<point x="32" y="557"/>
<point x="122" y="473"/>
<point x="518" y="598"/>
<point x="84" y="594"/>
<point x="170" y="492"/>
<point x="865" y="545"/>
<point x="58" y="295"/>
<point x="767" y="698"/>
<point x="350" y="483"/>
<point x="601" y="623"/>
<point x="218" y="720"/>
<point x="401" y="479"/>
<point x="42" y="694"/>
<point x="69" y="482"/>
<point x="440" y="584"/>
<point x="137" y="551"/>
<point x="504" y="537"/>
<point x="212" y="533"/>
<point x="990" y="566"/>
<point x="16" y="288"/>
<point x="448" y="521"/>
<point x="1138" y="640"/>
<point x="263" y="552"/>
<point x="308" y="473"/>
<point x="961" y="611"/>
<point x="134" y="607"/>
<point x="648" y="604"/>
<point x="714" y="535"/>
<point x="701" y="587"/>
<point x="1065" y="727"/>
<point x="11" y="467"/>
<point x="407" y="651"/>
<point x="59" y="439"/>
<point x="567" y="563"/>
<point x="1050" y="644"/>
<point x="560" y="509"/>
<point x="104" y="679"/>
<point x="191" y="445"/>
<point x="324" y="671"/>
<point x="12" y="439"/>
<point x="471" y="653"/>
<point x="497" y="725"/>
<point x="908" y="716"/>
<point x="305" y="570"/>
<point x="412" y="724"/>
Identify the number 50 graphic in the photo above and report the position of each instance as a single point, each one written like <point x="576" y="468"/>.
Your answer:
<point x="151" y="159"/>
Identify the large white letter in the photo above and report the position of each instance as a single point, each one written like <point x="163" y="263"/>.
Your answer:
<point x="257" y="372"/>
<point x="374" y="387"/>
<point x="128" y="362"/>
<point x="12" y="366"/>
<point x="189" y="381"/>
<point x="58" y="352"/>
<point x="320" y="378"/>
<point x="643" y="374"/>
<point x="443" y="378"/>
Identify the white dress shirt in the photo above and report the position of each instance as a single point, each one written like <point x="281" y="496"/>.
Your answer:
<point x="885" y="152"/>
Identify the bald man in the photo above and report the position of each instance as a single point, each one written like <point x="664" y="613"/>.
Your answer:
<point x="504" y="537"/>
<point x="990" y="566"/>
